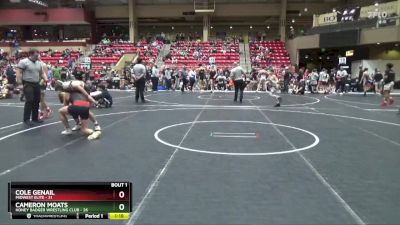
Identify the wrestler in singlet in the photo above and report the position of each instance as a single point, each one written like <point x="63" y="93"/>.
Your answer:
<point x="79" y="107"/>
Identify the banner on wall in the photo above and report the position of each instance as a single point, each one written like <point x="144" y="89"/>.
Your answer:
<point x="349" y="14"/>
<point x="381" y="11"/>
<point x="342" y="60"/>
<point x="327" y="19"/>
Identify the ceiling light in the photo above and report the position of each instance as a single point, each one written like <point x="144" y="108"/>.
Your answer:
<point x="299" y="13"/>
<point x="378" y="43"/>
<point x="397" y="45"/>
<point x="251" y="27"/>
<point x="305" y="9"/>
<point x="376" y="4"/>
<point x="268" y="27"/>
<point x="231" y="27"/>
<point x="293" y="20"/>
<point x="211" y="27"/>
<point x="172" y="28"/>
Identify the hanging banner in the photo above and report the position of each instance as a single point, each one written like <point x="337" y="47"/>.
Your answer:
<point x="327" y="19"/>
<point x="342" y="60"/>
<point x="381" y="11"/>
<point x="349" y="14"/>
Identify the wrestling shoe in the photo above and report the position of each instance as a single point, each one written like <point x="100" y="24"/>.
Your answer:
<point x="97" y="127"/>
<point x="76" y="128"/>
<point x="391" y="101"/>
<point x="67" y="131"/>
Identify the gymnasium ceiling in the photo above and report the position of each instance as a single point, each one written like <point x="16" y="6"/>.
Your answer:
<point x="77" y="3"/>
<point x="93" y="3"/>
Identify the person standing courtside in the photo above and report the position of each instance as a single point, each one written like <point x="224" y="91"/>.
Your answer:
<point x="168" y="77"/>
<point x="139" y="72"/>
<point x="238" y="75"/>
<point x="29" y="72"/>
<point x="155" y="73"/>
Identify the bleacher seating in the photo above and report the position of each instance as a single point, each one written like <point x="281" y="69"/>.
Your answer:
<point x="278" y="58"/>
<point x="57" y="57"/>
<point x="109" y="55"/>
<point x="182" y="53"/>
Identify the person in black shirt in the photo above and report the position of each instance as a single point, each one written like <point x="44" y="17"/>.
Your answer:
<point x="106" y="98"/>
<point x="360" y="76"/>
<point x="286" y="80"/>
<point x="378" y="78"/>
<point x="300" y="75"/>
<point x="388" y="81"/>
<point x="64" y="74"/>
<point x="201" y="71"/>
<point x="77" y="73"/>
<point x="184" y="78"/>
<point x="10" y="73"/>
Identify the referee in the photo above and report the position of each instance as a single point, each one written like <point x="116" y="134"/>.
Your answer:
<point x="139" y="73"/>
<point x="238" y="75"/>
<point x="29" y="71"/>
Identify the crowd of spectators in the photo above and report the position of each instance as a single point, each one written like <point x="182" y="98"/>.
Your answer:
<point x="188" y="67"/>
<point x="191" y="53"/>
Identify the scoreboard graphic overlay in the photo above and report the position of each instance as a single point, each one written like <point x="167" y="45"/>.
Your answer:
<point x="70" y="200"/>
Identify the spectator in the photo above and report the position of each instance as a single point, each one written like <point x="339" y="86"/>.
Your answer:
<point x="155" y="76"/>
<point x="378" y="79"/>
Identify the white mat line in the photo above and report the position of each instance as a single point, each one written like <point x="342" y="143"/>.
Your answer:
<point x="342" y="103"/>
<point x="138" y="209"/>
<point x="332" y="190"/>
<point x="233" y="135"/>
<point x="12" y="125"/>
<point x="383" y="110"/>
<point x="20" y="165"/>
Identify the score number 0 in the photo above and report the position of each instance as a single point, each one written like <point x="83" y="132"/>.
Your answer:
<point x="121" y="206"/>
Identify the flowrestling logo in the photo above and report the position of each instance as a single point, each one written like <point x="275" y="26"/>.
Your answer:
<point x="381" y="11"/>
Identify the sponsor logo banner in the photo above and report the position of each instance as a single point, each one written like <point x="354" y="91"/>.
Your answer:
<point x="327" y="19"/>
